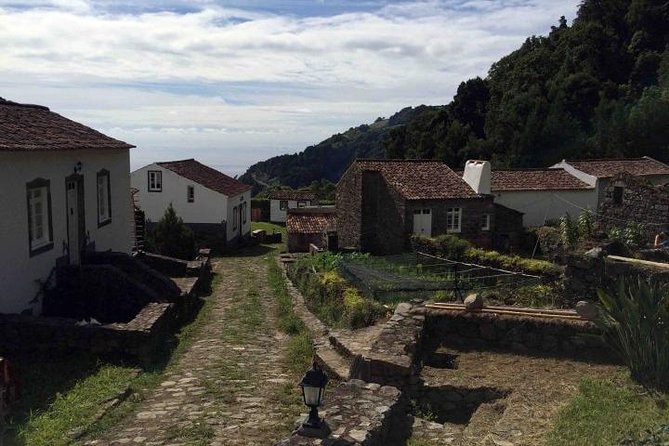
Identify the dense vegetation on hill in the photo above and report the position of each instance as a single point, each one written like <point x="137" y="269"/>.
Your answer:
<point x="597" y="88"/>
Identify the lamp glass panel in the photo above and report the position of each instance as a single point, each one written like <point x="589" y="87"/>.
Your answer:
<point x="312" y="395"/>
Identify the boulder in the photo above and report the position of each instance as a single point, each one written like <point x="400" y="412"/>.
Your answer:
<point x="595" y="253"/>
<point x="473" y="302"/>
<point x="587" y="310"/>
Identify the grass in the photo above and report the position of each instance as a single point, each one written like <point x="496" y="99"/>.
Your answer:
<point x="194" y="433"/>
<point x="62" y="396"/>
<point x="606" y="412"/>
<point x="271" y="228"/>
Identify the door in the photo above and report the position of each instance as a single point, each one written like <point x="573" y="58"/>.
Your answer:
<point x="75" y="223"/>
<point x="422" y="222"/>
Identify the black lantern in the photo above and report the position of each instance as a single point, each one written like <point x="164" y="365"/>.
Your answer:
<point x="313" y="386"/>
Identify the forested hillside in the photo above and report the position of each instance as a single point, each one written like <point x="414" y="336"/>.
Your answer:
<point x="597" y="88"/>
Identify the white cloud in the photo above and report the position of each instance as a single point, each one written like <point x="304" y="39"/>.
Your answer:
<point x="248" y="79"/>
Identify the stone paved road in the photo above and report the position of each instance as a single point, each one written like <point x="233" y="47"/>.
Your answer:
<point x="229" y="387"/>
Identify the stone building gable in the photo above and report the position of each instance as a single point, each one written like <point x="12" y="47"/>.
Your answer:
<point x="632" y="199"/>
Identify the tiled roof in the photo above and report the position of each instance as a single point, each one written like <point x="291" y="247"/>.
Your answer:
<point x="420" y="179"/>
<point x="535" y="179"/>
<point x="206" y="176"/>
<point x="313" y="222"/>
<point x="293" y="195"/>
<point x="606" y="168"/>
<point x="25" y="127"/>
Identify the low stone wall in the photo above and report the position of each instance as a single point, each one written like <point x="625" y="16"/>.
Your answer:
<point x="360" y="413"/>
<point x="138" y="339"/>
<point x="391" y="359"/>
<point x="523" y="334"/>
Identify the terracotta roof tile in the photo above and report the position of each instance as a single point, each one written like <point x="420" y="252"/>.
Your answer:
<point x="420" y="179"/>
<point x="535" y="179"/>
<point x="606" y="168"/>
<point x="206" y="176"/>
<point x="25" y="127"/>
<point x="313" y="222"/>
<point x="293" y="195"/>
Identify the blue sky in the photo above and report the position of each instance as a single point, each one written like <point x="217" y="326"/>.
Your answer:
<point x="234" y="82"/>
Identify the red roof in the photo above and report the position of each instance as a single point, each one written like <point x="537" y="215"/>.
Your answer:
<point x="606" y="168"/>
<point x="293" y="195"/>
<point x="420" y="179"/>
<point x="206" y="176"/>
<point x="535" y="179"/>
<point x="26" y="127"/>
<point x="310" y="221"/>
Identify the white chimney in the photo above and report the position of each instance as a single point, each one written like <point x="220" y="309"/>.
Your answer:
<point x="477" y="175"/>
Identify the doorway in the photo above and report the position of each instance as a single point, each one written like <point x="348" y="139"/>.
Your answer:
<point x="422" y="222"/>
<point x="76" y="224"/>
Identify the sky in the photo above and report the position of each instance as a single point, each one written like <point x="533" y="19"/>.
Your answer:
<point x="233" y="82"/>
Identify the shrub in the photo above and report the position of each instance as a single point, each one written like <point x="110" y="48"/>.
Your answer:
<point x="171" y="237"/>
<point x="635" y="323"/>
<point x="568" y="231"/>
<point x="452" y="246"/>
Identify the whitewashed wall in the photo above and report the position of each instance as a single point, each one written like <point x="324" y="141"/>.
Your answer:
<point x="19" y="272"/>
<point x="277" y="215"/>
<point x="208" y="207"/>
<point x="539" y="206"/>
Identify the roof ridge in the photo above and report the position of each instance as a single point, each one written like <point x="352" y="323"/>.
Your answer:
<point x="4" y="101"/>
<point x="398" y="160"/>
<point x="178" y="161"/>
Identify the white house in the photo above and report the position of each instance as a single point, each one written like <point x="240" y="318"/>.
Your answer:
<point x="207" y="200"/>
<point x="540" y="194"/>
<point x="598" y="172"/>
<point x="66" y="188"/>
<point x="282" y="200"/>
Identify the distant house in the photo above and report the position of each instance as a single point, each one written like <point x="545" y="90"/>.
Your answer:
<point x="209" y="201"/>
<point x="380" y="203"/>
<point x="282" y="200"/>
<point x="630" y="198"/>
<point x="598" y="172"/>
<point x="66" y="189"/>
<point x="310" y="226"/>
<point x="540" y="194"/>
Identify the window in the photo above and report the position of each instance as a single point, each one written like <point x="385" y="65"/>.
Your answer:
<point x="244" y="213"/>
<point x="453" y="219"/>
<point x="155" y="181"/>
<point x="618" y="195"/>
<point x="283" y="205"/>
<point x="40" y="233"/>
<point x="104" y="198"/>
<point x="301" y="204"/>
<point x="485" y="222"/>
<point x="190" y="193"/>
<point x="234" y="217"/>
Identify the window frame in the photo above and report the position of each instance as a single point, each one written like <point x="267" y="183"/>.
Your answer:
<point x="244" y="219"/>
<point x="103" y="221"/>
<point x="235" y="215"/>
<point x="450" y="219"/>
<point x="36" y="247"/>
<point x="283" y="205"/>
<point x="485" y="224"/>
<point x="190" y="193"/>
<point x="302" y="204"/>
<point x="158" y="184"/>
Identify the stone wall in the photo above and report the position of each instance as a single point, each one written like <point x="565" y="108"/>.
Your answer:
<point x="138" y="339"/>
<point x="360" y="413"/>
<point x="348" y="200"/>
<point x="524" y="334"/>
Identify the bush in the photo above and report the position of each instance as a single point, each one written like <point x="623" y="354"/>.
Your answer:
<point x="171" y="237"/>
<point x="452" y="246"/>
<point x="635" y="323"/>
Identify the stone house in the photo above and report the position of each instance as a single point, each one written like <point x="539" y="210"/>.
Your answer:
<point x="208" y="201"/>
<point x="381" y="203"/>
<point x="282" y="200"/>
<point x="629" y="198"/>
<point x="310" y="226"/>
<point x="66" y="191"/>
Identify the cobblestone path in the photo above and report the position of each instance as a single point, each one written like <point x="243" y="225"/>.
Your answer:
<point x="229" y="387"/>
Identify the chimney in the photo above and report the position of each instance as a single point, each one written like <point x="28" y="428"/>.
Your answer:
<point x="477" y="175"/>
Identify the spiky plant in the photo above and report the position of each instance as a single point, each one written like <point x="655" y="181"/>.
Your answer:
<point x="635" y="323"/>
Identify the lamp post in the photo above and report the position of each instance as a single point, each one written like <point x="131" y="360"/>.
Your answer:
<point x="313" y="386"/>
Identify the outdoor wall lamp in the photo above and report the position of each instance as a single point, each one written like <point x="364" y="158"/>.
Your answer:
<point x="313" y="386"/>
<point x="77" y="167"/>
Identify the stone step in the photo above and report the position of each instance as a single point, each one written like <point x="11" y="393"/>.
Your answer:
<point x="481" y="423"/>
<point x="332" y="362"/>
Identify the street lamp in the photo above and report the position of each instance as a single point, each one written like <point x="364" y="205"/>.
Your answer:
<point x="313" y="386"/>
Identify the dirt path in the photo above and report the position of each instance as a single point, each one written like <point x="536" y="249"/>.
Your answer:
<point x="229" y="387"/>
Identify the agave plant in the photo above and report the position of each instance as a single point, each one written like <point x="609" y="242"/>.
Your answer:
<point x="635" y="323"/>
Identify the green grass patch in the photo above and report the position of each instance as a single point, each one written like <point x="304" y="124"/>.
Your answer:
<point x="606" y="412"/>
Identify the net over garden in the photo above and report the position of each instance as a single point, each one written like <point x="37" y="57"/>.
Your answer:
<point x="423" y="276"/>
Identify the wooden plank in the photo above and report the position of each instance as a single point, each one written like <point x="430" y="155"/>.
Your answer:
<point x="551" y="314"/>
<point x="640" y="262"/>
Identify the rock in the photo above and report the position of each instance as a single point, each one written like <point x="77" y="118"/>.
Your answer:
<point x="473" y="302"/>
<point x="587" y="310"/>
<point x="595" y="253"/>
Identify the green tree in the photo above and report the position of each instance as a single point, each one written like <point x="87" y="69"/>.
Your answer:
<point x="171" y="237"/>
